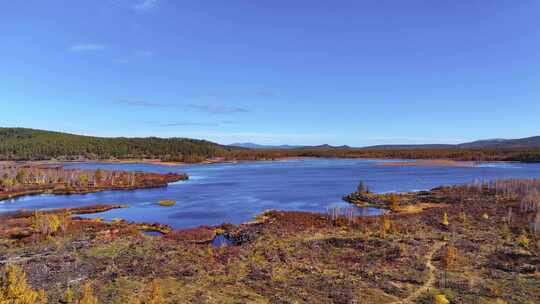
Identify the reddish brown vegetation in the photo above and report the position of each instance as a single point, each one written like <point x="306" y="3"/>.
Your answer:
<point x="18" y="180"/>
<point x="302" y="257"/>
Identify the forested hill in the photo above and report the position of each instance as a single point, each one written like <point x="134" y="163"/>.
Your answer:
<point x="30" y="144"/>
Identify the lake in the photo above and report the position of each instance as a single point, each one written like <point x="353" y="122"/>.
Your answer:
<point x="234" y="193"/>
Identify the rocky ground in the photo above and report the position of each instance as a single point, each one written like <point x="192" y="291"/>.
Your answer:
<point x="470" y="250"/>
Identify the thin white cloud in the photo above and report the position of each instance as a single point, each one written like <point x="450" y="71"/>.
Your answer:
<point x="206" y="108"/>
<point x="189" y="124"/>
<point x="86" y="47"/>
<point x="245" y="93"/>
<point x="145" y="5"/>
<point x="141" y="103"/>
<point x="217" y="108"/>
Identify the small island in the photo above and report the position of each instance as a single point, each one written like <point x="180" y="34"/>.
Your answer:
<point x="19" y="179"/>
<point x="167" y="203"/>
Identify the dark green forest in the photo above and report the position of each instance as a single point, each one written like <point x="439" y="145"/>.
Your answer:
<point x="30" y="144"/>
<point x="522" y="155"/>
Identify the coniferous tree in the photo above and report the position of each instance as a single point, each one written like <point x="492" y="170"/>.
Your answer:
<point x="14" y="289"/>
<point x="87" y="296"/>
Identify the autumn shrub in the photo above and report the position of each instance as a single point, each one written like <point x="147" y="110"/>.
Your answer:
<point x="464" y="220"/>
<point x="15" y="290"/>
<point x="523" y="240"/>
<point x="450" y="256"/>
<point x="440" y="299"/>
<point x="445" y="220"/>
<point x="68" y="297"/>
<point x="155" y="296"/>
<point x="45" y="224"/>
<point x="386" y="226"/>
<point x="42" y="297"/>
<point x="65" y="221"/>
<point x="394" y="202"/>
<point x="506" y="233"/>
<point x="87" y="296"/>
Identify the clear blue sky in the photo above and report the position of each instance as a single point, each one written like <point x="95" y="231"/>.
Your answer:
<point x="292" y="72"/>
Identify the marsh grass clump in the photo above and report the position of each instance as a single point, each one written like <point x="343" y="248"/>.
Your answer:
<point x="505" y="232"/>
<point x="167" y="203"/>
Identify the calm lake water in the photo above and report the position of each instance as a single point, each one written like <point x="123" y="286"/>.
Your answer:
<point x="235" y="193"/>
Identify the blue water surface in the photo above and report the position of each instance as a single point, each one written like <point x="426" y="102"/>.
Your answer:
<point x="235" y="193"/>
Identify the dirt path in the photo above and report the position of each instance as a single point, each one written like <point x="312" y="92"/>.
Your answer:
<point x="431" y="276"/>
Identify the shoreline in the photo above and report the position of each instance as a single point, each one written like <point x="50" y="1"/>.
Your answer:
<point x="430" y="163"/>
<point x="387" y="162"/>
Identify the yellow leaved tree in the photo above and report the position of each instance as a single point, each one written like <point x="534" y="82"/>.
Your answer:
<point x="15" y="290"/>
<point x="87" y="296"/>
<point x="155" y="296"/>
<point x="441" y="299"/>
<point x="445" y="221"/>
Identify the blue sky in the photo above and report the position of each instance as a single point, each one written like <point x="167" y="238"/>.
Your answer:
<point x="273" y="72"/>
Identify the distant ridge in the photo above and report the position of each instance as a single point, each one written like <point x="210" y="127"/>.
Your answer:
<point x="257" y="146"/>
<point x="498" y="143"/>
<point x="284" y="147"/>
<point x="527" y="142"/>
<point x="411" y="147"/>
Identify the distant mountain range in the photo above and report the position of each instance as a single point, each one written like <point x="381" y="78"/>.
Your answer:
<point x="498" y="143"/>
<point x="248" y="145"/>
<point x="527" y="142"/>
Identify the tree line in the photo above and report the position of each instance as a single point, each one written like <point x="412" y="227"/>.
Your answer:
<point x="29" y="144"/>
<point x="529" y="155"/>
